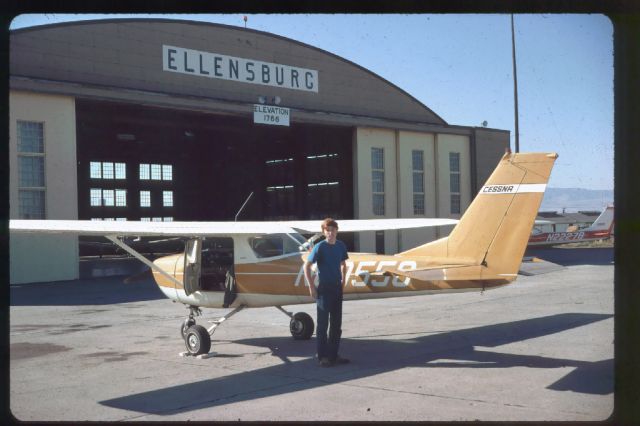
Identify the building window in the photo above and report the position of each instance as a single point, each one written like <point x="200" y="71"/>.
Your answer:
<point x="156" y="172"/>
<point x="167" y="172"/>
<point x="107" y="197"/>
<point x="379" y="242"/>
<point x="167" y="219"/>
<point x="145" y="219"/>
<point x="454" y="181"/>
<point x="417" y="158"/>
<point x="31" y="178"/>
<point x="145" y="198"/>
<point x="377" y="180"/>
<point x="167" y="198"/>
<point x="107" y="170"/>
<point x="121" y="197"/>
<point x="144" y="172"/>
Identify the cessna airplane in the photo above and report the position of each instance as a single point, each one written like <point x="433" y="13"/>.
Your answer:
<point x="257" y="264"/>
<point x="600" y="229"/>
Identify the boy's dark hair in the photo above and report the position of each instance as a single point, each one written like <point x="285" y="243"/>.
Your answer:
<point x="328" y="222"/>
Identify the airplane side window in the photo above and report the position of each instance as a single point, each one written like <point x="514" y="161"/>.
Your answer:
<point x="267" y="246"/>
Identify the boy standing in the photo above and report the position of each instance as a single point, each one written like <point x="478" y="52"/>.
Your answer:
<point x="330" y="256"/>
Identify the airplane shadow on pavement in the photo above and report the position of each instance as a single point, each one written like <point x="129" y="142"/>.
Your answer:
<point x="574" y="256"/>
<point x="371" y="356"/>
<point x="96" y="291"/>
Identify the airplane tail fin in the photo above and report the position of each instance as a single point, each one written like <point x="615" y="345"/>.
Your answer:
<point x="494" y="230"/>
<point x="604" y="222"/>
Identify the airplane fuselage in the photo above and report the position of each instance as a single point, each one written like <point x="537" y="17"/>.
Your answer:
<point x="551" y="238"/>
<point x="281" y="281"/>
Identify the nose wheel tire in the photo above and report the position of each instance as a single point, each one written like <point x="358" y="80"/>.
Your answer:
<point x="301" y="326"/>
<point x="197" y="340"/>
<point x="185" y="326"/>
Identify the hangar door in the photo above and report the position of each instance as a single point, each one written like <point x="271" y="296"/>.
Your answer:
<point x="161" y="164"/>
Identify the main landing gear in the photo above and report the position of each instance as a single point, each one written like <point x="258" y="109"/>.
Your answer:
<point x="197" y="338"/>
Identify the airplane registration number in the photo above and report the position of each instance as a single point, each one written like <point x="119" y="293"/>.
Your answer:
<point x="359" y="274"/>
<point x="565" y="236"/>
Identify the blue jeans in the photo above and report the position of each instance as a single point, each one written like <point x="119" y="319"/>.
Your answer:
<point x="329" y="304"/>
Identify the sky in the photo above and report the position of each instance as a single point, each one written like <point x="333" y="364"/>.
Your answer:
<point x="460" y="66"/>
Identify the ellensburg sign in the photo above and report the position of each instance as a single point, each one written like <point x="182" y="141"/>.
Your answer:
<point x="215" y="65"/>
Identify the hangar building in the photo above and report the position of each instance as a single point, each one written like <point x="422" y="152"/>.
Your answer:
<point x="139" y="119"/>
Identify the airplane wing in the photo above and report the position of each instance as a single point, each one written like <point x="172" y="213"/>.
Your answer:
<point x="204" y="229"/>
<point x="183" y="229"/>
<point x="356" y="225"/>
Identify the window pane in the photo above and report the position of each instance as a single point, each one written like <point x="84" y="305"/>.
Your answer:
<point x="454" y="182"/>
<point x="31" y="204"/>
<point x="145" y="219"/>
<point x="108" y="197"/>
<point x="454" y="161"/>
<point x="107" y="170"/>
<point x="121" y="197"/>
<point x="418" y="182"/>
<point x="167" y="198"/>
<point x="417" y="159"/>
<point x="144" y="172"/>
<point x="145" y="198"/>
<point x="156" y="219"/>
<point x="31" y="170"/>
<point x="377" y="181"/>
<point x="96" y="197"/>
<point x="95" y="170"/>
<point x="167" y="219"/>
<point x="418" y="203"/>
<point x="167" y="172"/>
<point x="121" y="219"/>
<point x="377" y="158"/>
<point x="156" y="172"/>
<point x="30" y="137"/>
<point x="121" y="170"/>
<point x="455" y="203"/>
<point x="378" y="204"/>
<point x="108" y="219"/>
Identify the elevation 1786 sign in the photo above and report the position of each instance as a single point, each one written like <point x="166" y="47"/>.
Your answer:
<point x="268" y="114"/>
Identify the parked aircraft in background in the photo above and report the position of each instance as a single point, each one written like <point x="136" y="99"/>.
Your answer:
<point x="600" y="229"/>
<point x="257" y="264"/>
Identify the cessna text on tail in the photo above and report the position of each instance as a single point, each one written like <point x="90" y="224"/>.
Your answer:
<point x="256" y="264"/>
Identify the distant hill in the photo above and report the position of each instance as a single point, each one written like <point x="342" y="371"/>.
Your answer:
<point x="575" y="199"/>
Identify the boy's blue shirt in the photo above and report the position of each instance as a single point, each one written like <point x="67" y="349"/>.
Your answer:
<point x="329" y="257"/>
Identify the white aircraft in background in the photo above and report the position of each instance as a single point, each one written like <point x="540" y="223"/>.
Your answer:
<point x="257" y="264"/>
<point x="600" y="229"/>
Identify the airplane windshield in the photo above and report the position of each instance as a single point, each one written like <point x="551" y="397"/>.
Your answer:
<point x="275" y="244"/>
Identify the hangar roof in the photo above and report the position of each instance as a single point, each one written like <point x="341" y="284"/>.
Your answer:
<point x="180" y="63"/>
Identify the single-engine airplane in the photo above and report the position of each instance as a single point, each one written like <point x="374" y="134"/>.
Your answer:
<point x="241" y="265"/>
<point x="600" y="229"/>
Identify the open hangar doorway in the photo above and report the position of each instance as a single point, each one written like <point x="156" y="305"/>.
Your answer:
<point x="194" y="166"/>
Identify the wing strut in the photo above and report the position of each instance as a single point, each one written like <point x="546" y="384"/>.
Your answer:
<point x="115" y="240"/>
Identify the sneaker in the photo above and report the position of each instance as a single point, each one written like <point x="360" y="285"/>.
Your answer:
<point x="324" y="362"/>
<point x="340" y="360"/>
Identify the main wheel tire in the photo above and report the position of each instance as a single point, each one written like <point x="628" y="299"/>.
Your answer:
<point x="185" y="326"/>
<point x="301" y="326"/>
<point x="197" y="340"/>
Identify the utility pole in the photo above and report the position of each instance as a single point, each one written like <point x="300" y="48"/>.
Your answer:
<point x="515" y="82"/>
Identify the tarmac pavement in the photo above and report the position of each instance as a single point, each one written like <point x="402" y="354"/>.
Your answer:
<point x="539" y="349"/>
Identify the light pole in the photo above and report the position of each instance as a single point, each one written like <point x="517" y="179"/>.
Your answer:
<point x="515" y="82"/>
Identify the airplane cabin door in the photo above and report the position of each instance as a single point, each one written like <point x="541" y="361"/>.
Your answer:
<point x="192" y="265"/>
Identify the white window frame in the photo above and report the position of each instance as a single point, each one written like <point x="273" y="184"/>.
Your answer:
<point x="145" y="195"/>
<point x="418" y="173"/>
<point x="23" y="154"/>
<point x="375" y="194"/>
<point x="454" y="195"/>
